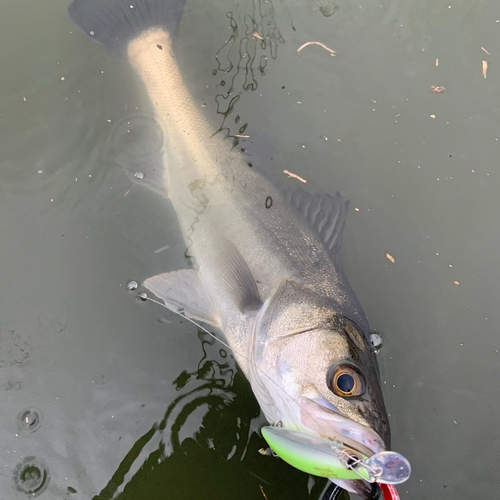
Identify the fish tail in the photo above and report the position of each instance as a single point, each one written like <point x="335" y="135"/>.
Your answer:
<point x="114" y="23"/>
<point x="142" y="32"/>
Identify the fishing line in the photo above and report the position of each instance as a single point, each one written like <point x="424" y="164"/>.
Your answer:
<point x="182" y="315"/>
<point x="196" y="324"/>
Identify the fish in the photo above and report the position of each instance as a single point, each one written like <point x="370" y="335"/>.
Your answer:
<point x="265" y="267"/>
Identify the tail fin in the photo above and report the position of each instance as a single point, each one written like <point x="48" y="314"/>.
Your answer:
<point x="114" y="23"/>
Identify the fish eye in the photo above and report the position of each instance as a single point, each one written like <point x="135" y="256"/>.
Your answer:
<point x="346" y="381"/>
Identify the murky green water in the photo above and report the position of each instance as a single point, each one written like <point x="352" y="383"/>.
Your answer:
<point x="115" y="398"/>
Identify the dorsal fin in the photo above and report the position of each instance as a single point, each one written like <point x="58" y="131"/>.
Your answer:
<point x="325" y="212"/>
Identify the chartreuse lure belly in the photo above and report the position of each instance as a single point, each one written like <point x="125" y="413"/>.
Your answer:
<point x="322" y="457"/>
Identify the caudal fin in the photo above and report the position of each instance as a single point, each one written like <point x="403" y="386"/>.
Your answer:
<point x="114" y="23"/>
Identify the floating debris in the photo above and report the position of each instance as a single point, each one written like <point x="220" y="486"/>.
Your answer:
<point x="485" y="69"/>
<point x="390" y="257"/>
<point x="322" y="45"/>
<point x="437" y="89"/>
<point x="433" y="116"/>
<point x="437" y="62"/>
<point x="456" y="282"/>
<point x="485" y="51"/>
<point x="262" y="491"/>
<point x="242" y="136"/>
<point x="256" y="35"/>
<point x="63" y="78"/>
<point x="132" y="285"/>
<point x="166" y="247"/>
<point x="295" y="176"/>
<point x="139" y="175"/>
<point x="143" y="296"/>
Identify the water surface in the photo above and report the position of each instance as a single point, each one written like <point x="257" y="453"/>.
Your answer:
<point x="115" y="398"/>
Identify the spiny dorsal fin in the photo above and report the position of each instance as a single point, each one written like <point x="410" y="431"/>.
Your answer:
<point x="325" y="212"/>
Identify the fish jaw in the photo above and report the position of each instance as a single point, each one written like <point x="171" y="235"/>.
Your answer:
<point x="319" y="419"/>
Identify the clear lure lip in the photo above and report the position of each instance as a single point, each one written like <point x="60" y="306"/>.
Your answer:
<point x="334" y="426"/>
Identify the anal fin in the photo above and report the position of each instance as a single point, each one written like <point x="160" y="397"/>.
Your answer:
<point x="183" y="292"/>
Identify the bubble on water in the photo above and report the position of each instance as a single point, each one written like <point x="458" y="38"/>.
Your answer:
<point x="328" y="8"/>
<point x="377" y="341"/>
<point x="29" y="420"/>
<point x="132" y="285"/>
<point x="143" y="296"/>
<point x="139" y="175"/>
<point x="31" y="476"/>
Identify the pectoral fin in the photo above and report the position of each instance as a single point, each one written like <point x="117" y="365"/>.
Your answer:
<point x="183" y="292"/>
<point x="236" y="277"/>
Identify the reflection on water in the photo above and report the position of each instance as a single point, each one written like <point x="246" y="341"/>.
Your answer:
<point x="254" y="39"/>
<point x="209" y="433"/>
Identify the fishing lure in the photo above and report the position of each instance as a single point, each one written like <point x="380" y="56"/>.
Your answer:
<point x="321" y="457"/>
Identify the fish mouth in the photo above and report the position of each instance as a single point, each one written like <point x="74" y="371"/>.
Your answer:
<point x="335" y="426"/>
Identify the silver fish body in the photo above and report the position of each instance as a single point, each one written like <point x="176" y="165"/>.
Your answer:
<point x="266" y="268"/>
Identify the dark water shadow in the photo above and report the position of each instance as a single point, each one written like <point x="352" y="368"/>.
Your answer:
<point x="221" y="458"/>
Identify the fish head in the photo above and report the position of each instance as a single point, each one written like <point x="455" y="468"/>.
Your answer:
<point x="321" y="371"/>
